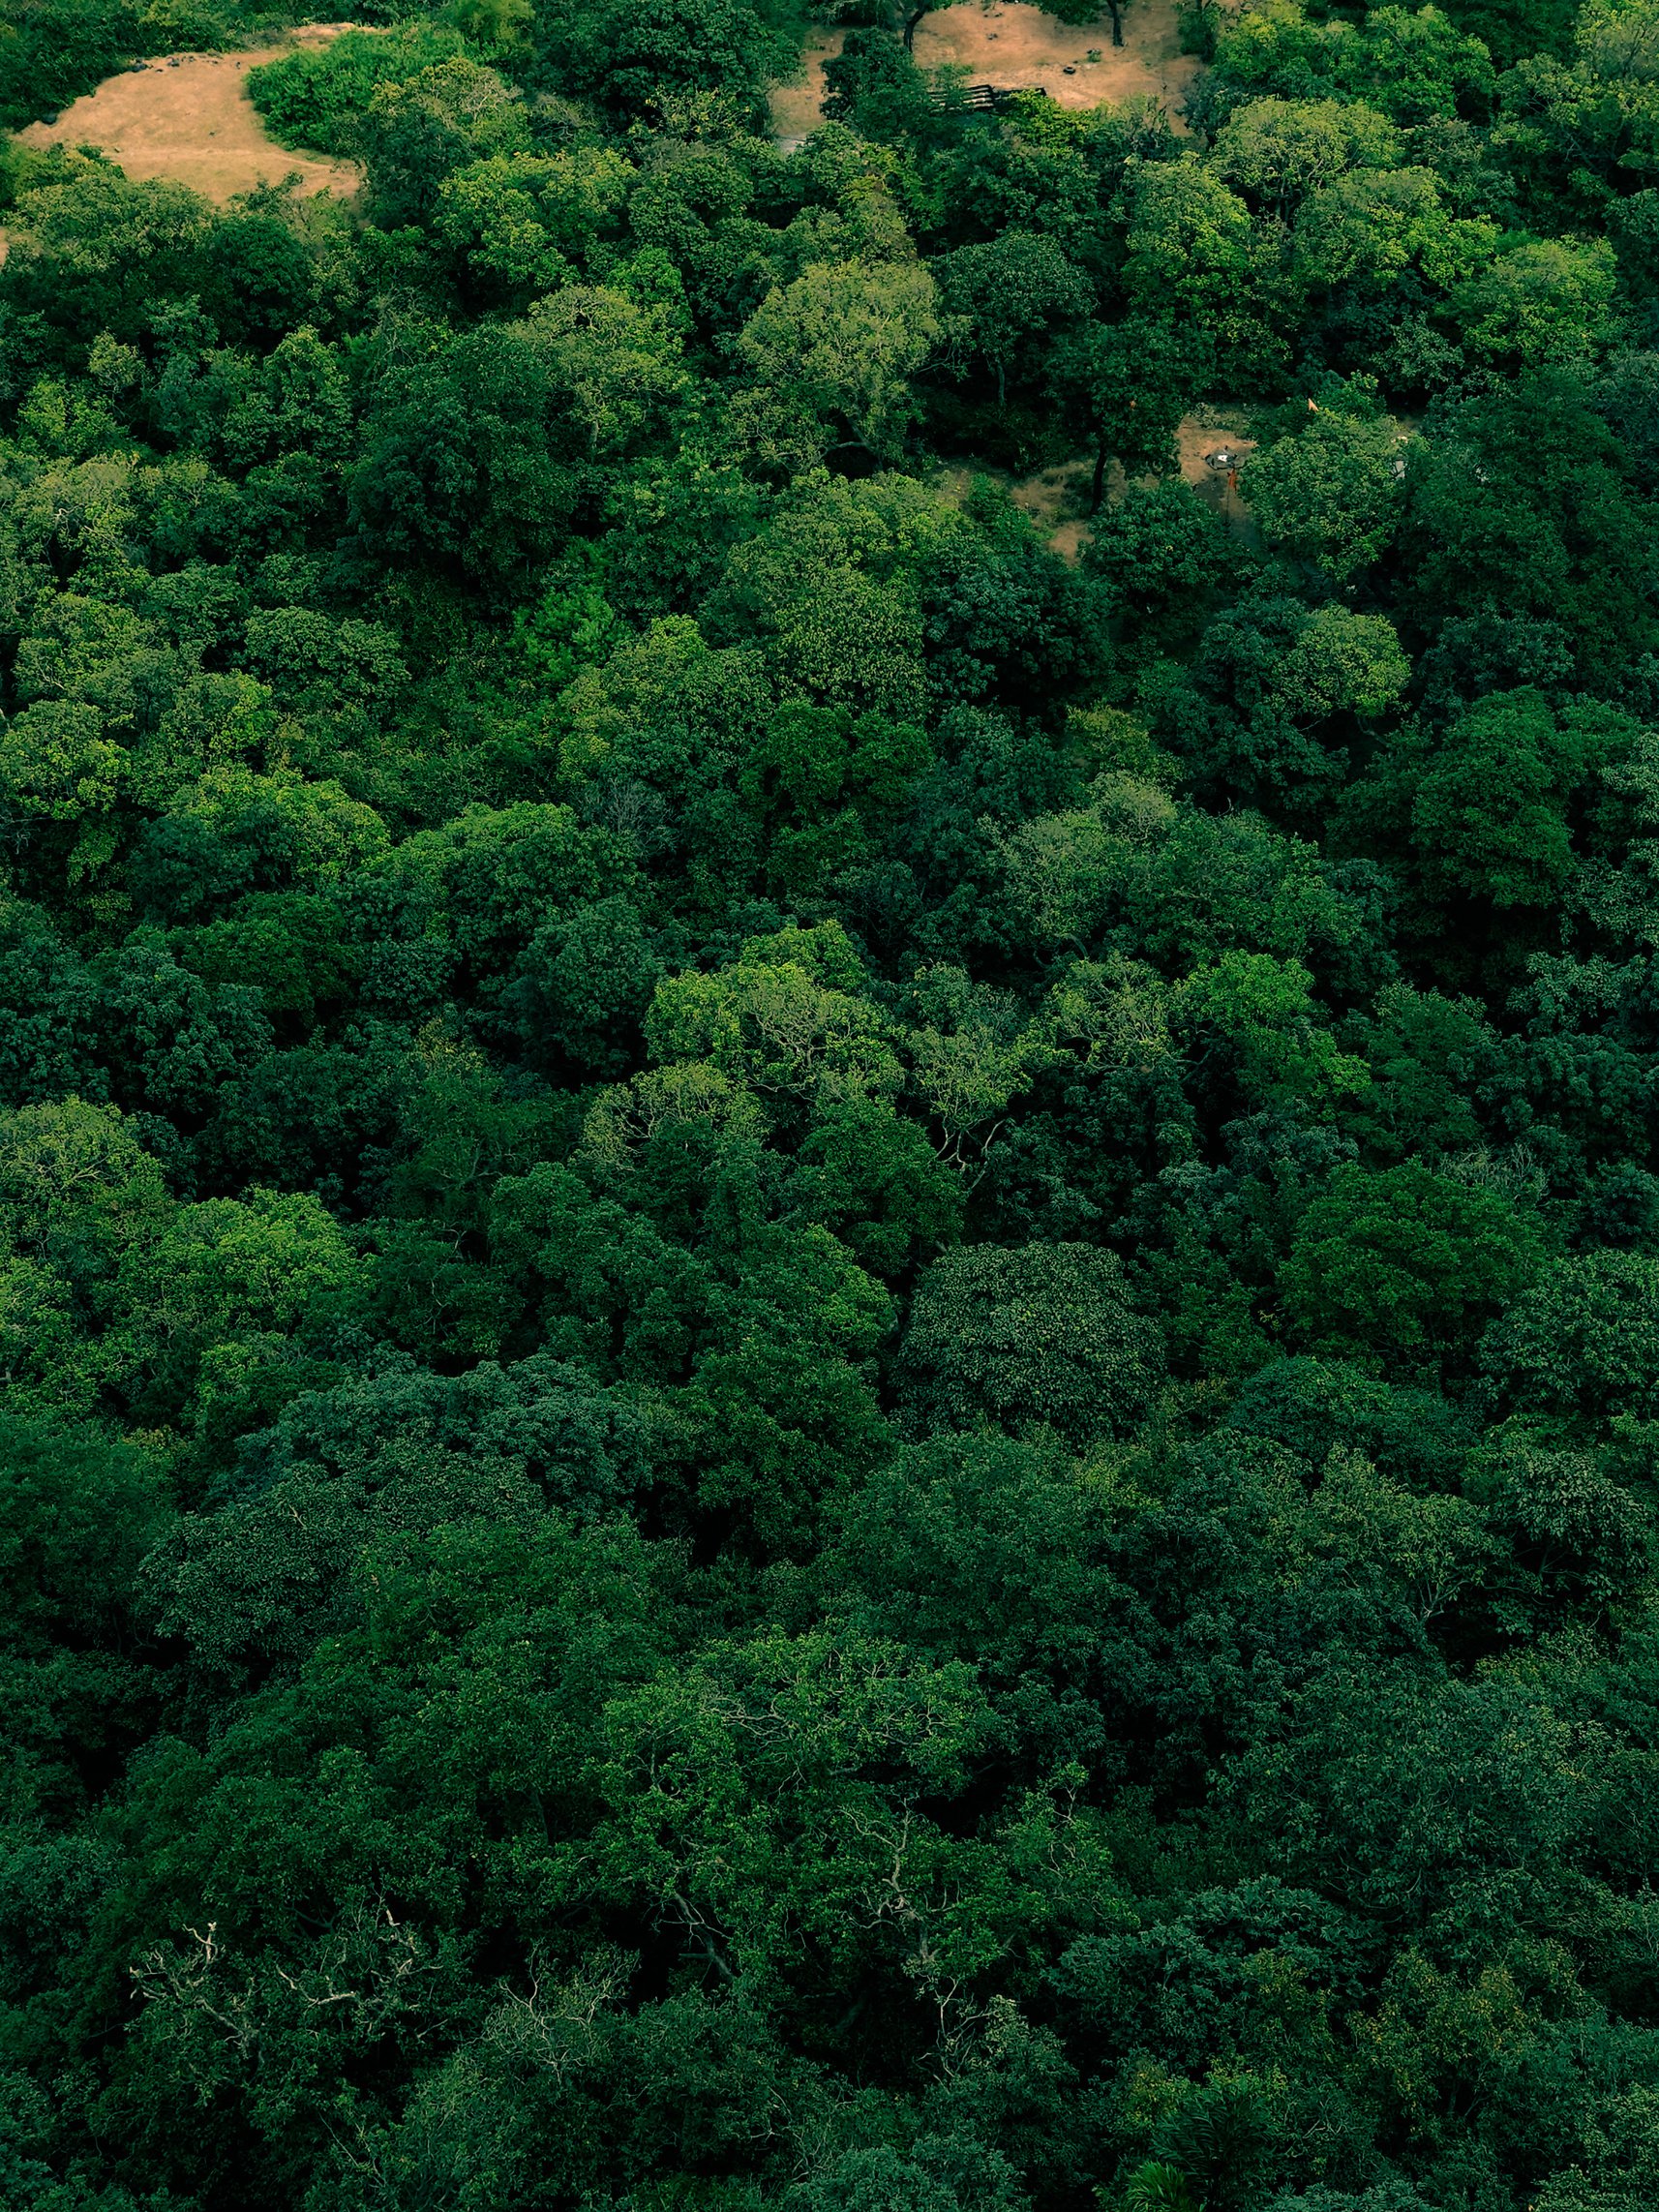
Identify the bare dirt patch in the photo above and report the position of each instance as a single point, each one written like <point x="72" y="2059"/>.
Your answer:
<point x="188" y="118"/>
<point x="1214" y="430"/>
<point x="1008" y="43"/>
<point x="794" y="106"/>
<point x="1056" y="499"/>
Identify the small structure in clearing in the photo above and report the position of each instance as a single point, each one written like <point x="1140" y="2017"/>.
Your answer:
<point x="1008" y="43"/>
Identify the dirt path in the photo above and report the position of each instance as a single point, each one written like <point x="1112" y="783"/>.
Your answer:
<point x="794" y="106"/>
<point x="188" y="118"/>
<point x="1011" y="43"/>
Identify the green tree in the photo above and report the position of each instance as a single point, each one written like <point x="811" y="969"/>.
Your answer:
<point x="835" y="353"/>
<point x="582" y="985"/>
<point x="1161" y="552"/>
<point x="1522" y="507"/>
<point x="419" y="131"/>
<point x="1394" y="1263"/>
<point x="1011" y="292"/>
<point x="1040" y="1337"/>
<point x="1128" y="385"/>
<point x="1187" y="239"/>
<point x="1540" y="302"/>
<point x="1579" y="1340"/>
<point x="1371" y="227"/>
<point x="874" y="85"/>
<point x="317" y="95"/>
<point x="211" y="1306"/>
<point x="57" y="761"/>
<point x="526" y="222"/>
<point x="629" y="53"/>
<point x="617" y="362"/>
<point x="1262" y="1009"/>
<point x="1280" y="150"/>
<point x="464" y="463"/>
<point x="1490" y="809"/>
<point x="1332" y="494"/>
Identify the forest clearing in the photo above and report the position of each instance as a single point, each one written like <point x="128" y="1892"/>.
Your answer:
<point x="186" y="118"/>
<point x="1008" y="43"/>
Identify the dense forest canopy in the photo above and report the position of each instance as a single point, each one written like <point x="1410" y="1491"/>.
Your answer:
<point x="831" y="1337"/>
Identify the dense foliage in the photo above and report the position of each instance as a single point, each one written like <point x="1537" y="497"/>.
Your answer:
<point x="831" y="1353"/>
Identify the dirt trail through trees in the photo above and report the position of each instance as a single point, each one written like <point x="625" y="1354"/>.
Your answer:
<point x="794" y="106"/>
<point x="188" y="118"/>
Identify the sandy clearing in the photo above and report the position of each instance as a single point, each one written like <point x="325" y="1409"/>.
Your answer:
<point x="1008" y="42"/>
<point x="188" y="118"/>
